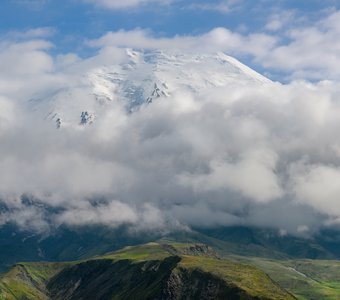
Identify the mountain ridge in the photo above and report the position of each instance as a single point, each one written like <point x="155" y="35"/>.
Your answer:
<point x="67" y="244"/>
<point x="149" y="271"/>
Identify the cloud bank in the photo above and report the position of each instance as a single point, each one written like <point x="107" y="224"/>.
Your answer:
<point x="264" y="156"/>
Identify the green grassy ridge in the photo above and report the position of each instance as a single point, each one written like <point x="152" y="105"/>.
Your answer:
<point x="306" y="279"/>
<point x="12" y="285"/>
<point x="150" y="271"/>
<point x="246" y="277"/>
<point x="27" y="280"/>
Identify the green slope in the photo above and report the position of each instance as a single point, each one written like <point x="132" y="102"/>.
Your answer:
<point x="28" y="280"/>
<point x="306" y="279"/>
<point x="150" y="271"/>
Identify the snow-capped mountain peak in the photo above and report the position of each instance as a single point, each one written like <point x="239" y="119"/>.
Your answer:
<point x="144" y="77"/>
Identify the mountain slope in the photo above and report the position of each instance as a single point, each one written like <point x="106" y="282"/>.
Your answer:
<point x="268" y="243"/>
<point x="28" y="281"/>
<point x="150" y="271"/>
<point x="83" y="242"/>
<point x="306" y="279"/>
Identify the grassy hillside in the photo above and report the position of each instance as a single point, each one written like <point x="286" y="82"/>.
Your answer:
<point x="306" y="279"/>
<point x="28" y="280"/>
<point x="150" y="271"/>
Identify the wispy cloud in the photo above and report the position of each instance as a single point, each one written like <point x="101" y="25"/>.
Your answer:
<point x="218" y="39"/>
<point x="33" y="4"/>
<point x="223" y="7"/>
<point x="312" y="51"/>
<point x="280" y="20"/>
<point x="33" y="33"/>
<point x="118" y="4"/>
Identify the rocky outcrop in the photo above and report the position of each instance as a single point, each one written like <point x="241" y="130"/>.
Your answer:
<point x="196" y="284"/>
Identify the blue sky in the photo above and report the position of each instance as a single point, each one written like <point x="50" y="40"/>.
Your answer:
<point x="79" y="18"/>
<point x="70" y="23"/>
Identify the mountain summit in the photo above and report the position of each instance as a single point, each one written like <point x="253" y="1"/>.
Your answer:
<point x="141" y="78"/>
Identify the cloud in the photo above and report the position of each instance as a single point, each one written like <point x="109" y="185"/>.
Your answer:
<point x="27" y="67"/>
<point x="223" y="155"/>
<point x="33" y="4"/>
<point x="279" y="20"/>
<point x="33" y="33"/>
<point x="312" y="51"/>
<point x="225" y="7"/>
<point x="117" y="4"/>
<point x="253" y="176"/>
<point x="27" y="58"/>
<point x="318" y="185"/>
<point x="7" y="114"/>
<point x="301" y="50"/>
<point x="218" y="39"/>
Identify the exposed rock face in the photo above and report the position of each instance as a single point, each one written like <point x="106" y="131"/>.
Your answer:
<point x="195" y="284"/>
<point x="86" y="118"/>
<point x="200" y="250"/>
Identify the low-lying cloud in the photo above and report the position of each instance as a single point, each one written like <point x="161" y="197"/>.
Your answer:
<point x="263" y="155"/>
